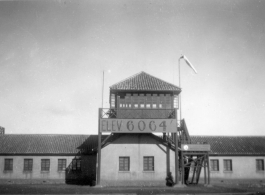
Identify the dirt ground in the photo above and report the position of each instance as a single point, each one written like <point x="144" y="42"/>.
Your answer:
<point x="78" y="189"/>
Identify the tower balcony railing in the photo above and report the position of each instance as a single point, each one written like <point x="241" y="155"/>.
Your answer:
<point x="126" y="113"/>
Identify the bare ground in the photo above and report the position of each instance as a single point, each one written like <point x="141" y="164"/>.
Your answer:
<point x="79" y="189"/>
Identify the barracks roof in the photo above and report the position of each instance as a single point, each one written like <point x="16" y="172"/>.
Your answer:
<point x="71" y="144"/>
<point x="46" y="144"/>
<point x="144" y="82"/>
<point x="233" y="145"/>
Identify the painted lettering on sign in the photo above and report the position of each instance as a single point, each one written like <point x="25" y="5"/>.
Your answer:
<point x="138" y="125"/>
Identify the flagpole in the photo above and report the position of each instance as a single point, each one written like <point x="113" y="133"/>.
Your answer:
<point x="190" y="65"/>
<point x="179" y="94"/>
<point x="102" y="90"/>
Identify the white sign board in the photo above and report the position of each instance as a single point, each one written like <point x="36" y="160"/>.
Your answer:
<point x="195" y="147"/>
<point x="138" y="125"/>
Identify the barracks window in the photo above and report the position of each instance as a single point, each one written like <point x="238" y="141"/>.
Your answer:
<point x="61" y="164"/>
<point x="28" y="164"/>
<point x="124" y="163"/>
<point x="228" y="165"/>
<point x="76" y="165"/>
<point x="45" y="164"/>
<point x="149" y="163"/>
<point x="8" y="165"/>
<point x="214" y="165"/>
<point x="260" y="165"/>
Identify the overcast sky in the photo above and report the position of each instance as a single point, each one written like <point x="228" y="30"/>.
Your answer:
<point x="53" y="53"/>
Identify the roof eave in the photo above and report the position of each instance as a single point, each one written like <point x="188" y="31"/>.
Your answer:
<point x="149" y="90"/>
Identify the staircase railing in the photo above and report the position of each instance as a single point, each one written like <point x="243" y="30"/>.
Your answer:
<point x="184" y="133"/>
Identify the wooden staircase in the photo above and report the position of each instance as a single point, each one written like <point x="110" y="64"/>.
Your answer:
<point x="192" y="161"/>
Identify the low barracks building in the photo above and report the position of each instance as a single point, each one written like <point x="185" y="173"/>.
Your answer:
<point x="139" y="142"/>
<point x="69" y="158"/>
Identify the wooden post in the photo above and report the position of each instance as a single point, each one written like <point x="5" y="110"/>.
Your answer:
<point x="118" y="106"/>
<point x="99" y="147"/>
<point x="204" y="167"/>
<point x="194" y="171"/>
<point x="176" y="153"/>
<point x="208" y="168"/>
<point x="182" y="168"/>
<point x="168" y="158"/>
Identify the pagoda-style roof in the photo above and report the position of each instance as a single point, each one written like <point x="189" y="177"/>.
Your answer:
<point x="144" y="82"/>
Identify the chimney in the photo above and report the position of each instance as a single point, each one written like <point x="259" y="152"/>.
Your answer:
<point x="2" y="131"/>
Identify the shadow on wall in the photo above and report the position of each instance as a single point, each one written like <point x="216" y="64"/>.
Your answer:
<point x="82" y="169"/>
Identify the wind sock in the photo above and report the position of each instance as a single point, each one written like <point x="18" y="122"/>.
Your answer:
<point x="188" y="62"/>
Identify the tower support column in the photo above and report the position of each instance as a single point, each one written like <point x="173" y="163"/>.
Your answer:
<point x="99" y="148"/>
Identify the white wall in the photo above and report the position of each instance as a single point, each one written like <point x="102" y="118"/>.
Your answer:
<point x="242" y="168"/>
<point x="136" y="147"/>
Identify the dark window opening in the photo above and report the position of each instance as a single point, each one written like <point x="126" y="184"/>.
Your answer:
<point x="28" y="164"/>
<point x="214" y="165"/>
<point x="228" y="165"/>
<point x="45" y="164"/>
<point x="260" y="165"/>
<point x="61" y="164"/>
<point x="148" y="163"/>
<point x="8" y="165"/>
<point x="76" y="165"/>
<point x="124" y="163"/>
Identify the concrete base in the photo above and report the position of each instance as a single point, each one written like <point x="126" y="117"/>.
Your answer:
<point x="179" y="186"/>
<point x="98" y="186"/>
<point x="32" y="181"/>
<point x="133" y="183"/>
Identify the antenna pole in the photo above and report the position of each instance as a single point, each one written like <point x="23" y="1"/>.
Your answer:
<point x="102" y="90"/>
<point x="179" y="94"/>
